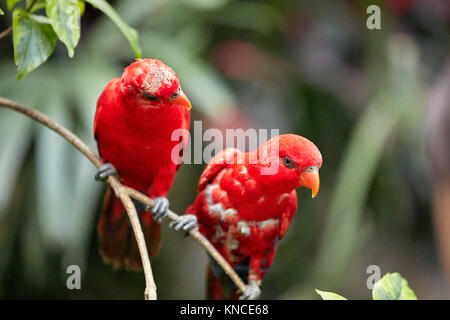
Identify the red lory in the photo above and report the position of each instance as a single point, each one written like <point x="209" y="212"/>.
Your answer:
<point x="135" y="118"/>
<point x="245" y="204"/>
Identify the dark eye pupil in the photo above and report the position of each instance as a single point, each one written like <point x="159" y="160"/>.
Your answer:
<point x="176" y="93"/>
<point x="150" y="96"/>
<point x="288" y="162"/>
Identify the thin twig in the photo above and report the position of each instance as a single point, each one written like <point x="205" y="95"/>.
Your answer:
<point x="125" y="193"/>
<point x="119" y="189"/>
<point x="5" y="32"/>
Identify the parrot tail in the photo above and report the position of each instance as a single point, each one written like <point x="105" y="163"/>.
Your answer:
<point x="117" y="244"/>
<point x="218" y="285"/>
<point x="213" y="287"/>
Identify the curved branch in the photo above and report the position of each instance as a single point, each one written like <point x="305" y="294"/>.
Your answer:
<point x="119" y="190"/>
<point x="125" y="194"/>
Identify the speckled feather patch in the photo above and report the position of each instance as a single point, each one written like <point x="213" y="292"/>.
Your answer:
<point x="148" y="76"/>
<point x="157" y="76"/>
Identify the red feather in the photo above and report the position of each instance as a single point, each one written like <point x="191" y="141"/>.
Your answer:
<point x="243" y="213"/>
<point x="135" y="136"/>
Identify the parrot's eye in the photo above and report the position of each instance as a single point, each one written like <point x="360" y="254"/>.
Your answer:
<point x="288" y="163"/>
<point x="177" y="93"/>
<point x="151" y="97"/>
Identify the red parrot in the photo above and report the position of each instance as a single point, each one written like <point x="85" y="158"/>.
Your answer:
<point x="244" y="211"/>
<point x="135" y="118"/>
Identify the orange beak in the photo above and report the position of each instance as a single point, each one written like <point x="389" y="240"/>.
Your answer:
<point x="181" y="100"/>
<point x="311" y="181"/>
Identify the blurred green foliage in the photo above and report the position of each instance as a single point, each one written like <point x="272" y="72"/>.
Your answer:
<point x="390" y="287"/>
<point x="35" y="35"/>
<point x="305" y="67"/>
<point x="329" y="295"/>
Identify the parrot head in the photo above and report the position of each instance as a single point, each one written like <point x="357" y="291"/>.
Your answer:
<point x="296" y="162"/>
<point x="151" y="83"/>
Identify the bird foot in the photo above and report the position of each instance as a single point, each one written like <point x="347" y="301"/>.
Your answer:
<point x="252" y="292"/>
<point x="159" y="208"/>
<point x="185" y="223"/>
<point x="106" y="170"/>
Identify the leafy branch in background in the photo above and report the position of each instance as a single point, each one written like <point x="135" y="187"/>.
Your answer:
<point x="391" y="287"/>
<point x="35" y="36"/>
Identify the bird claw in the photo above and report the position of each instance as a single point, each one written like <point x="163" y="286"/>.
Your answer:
<point x="106" y="170"/>
<point x="185" y="223"/>
<point x="159" y="208"/>
<point x="252" y="292"/>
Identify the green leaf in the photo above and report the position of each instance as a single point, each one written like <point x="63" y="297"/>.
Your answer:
<point x="392" y="287"/>
<point x="129" y="33"/>
<point x="82" y="6"/>
<point x="330" y="295"/>
<point x="10" y="3"/>
<point x="64" y="16"/>
<point x="34" y="41"/>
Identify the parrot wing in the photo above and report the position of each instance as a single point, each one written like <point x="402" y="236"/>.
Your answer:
<point x="107" y="98"/>
<point x="289" y="213"/>
<point x="217" y="163"/>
